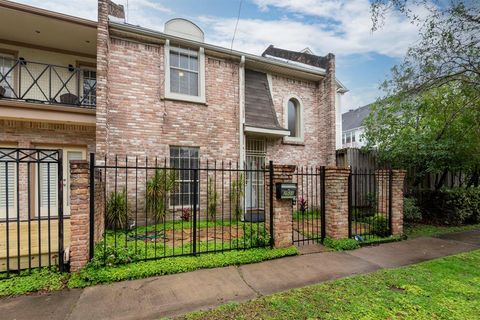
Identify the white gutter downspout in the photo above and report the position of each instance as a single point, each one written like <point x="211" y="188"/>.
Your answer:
<point x="241" y="79"/>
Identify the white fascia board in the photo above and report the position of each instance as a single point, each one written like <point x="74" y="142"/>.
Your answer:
<point x="267" y="132"/>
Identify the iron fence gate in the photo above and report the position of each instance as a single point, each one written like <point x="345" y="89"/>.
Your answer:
<point x="145" y="208"/>
<point x="31" y="209"/>
<point x="308" y="210"/>
<point x="370" y="203"/>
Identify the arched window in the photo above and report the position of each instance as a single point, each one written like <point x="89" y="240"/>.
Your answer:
<point x="294" y="118"/>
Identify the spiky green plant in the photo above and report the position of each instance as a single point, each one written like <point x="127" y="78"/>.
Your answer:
<point x="158" y="189"/>
<point x="237" y="195"/>
<point x="212" y="199"/>
<point x="117" y="210"/>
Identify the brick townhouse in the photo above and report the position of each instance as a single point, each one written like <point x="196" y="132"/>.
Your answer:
<point x="113" y="88"/>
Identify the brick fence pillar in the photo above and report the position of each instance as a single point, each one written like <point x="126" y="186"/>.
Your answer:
<point x="282" y="209"/>
<point x="383" y="185"/>
<point x="336" y="202"/>
<point x="79" y="214"/>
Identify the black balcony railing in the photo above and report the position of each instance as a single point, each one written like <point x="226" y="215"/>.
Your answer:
<point x="46" y="83"/>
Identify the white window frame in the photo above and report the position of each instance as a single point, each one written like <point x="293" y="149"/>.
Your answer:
<point x="11" y="78"/>
<point x="82" y="85"/>
<point x="12" y="206"/>
<point x="179" y="182"/>
<point x="201" y="77"/>
<point x="300" y="119"/>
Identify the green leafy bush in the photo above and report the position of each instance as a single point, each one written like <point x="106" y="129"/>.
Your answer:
<point x="411" y="212"/>
<point x="453" y="206"/>
<point x="236" y="196"/>
<point x="212" y="199"/>
<point x="117" y="211"/>
<point x="341" y="244"/>
<point x="379" y="225"/>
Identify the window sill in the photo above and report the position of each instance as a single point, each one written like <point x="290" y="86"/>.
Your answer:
<point x="294" y="142"/>
<point x="185" y="98"/>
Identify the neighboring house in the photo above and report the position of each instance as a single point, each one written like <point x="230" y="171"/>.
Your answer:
<point x="353" y="127"/>
<point x="118" y="89"/>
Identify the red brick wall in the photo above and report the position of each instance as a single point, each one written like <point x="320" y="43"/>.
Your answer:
<point x="336" y="202"/>
<point x="140" y="122"/>
<point x="312" y="151"/>
<point x="79" y="215"/>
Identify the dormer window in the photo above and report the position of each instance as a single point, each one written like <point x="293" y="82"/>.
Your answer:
<point x="184" y="73"/>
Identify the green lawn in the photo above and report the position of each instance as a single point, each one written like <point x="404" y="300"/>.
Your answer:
<point x="426" y="230"/>
<point x="447" y="288"/>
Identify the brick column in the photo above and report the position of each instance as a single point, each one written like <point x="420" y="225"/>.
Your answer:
<point x="336" y="202"/>
<point x="79" y="214"/>
<point x="383" y="185"/>
<point x="282" y="209"/>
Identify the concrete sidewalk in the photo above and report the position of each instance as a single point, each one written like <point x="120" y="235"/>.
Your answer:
<point x="172" y="295"/>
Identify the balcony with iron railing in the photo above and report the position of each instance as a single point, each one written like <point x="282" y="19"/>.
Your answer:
<point x="41" y="83"/>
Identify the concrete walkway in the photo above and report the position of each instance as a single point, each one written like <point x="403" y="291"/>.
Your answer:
<point x="172" y="295"/>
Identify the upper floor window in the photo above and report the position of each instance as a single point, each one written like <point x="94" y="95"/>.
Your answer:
<point x="89" y="76"/>
<point x="184" y="73"/>
<point x="294" y="119"/>
<point x="6" y="75"/>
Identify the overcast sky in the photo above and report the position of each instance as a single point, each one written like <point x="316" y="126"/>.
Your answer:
<point x="342" y="27"/>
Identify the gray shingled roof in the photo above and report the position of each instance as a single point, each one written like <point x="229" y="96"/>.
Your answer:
<point x="259" y="111"/>
<point x="303" y="57"/>
<point x="354" y="118"/>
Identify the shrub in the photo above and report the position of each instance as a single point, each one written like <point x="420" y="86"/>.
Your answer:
<point x="212" y="199"/>
<point x="411" y="212"/>
<point x="185" y="214"/>
<point x="341" y="244"/>
<point x="302" y="204"/>
<point x="454" y="206"/>
<point x="158" y="188"/>
<point x="236" y="196"/>
<point x="117" y="210"/>
<point x="379" y="225"/>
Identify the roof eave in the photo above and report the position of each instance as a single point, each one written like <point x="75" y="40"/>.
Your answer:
<point x="249" y="58"/>
<point x="278" y="133"/>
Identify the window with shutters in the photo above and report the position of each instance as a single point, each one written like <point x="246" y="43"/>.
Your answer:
<point x="8" y="187"/>
<point x="46" y="189"/>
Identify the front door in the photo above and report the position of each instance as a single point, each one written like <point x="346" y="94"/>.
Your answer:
<point x="48" y="176"/>
<point x="255" y="163"/>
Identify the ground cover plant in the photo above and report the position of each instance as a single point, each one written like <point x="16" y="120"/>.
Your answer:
<point x="445" y="288"/>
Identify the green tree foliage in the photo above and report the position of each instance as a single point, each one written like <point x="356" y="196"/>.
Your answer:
<point x="435" y="132"/>
<point x="430" y="118"/>
<point x="448" y="49"/>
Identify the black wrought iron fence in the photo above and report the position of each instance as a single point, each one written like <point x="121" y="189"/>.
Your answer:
<point x="308" y="217"/>
<point x="370" y="206"/>
<point x="156" y="208"/>
<point x="46" y="83"/>
<point x="31" y="209"/>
